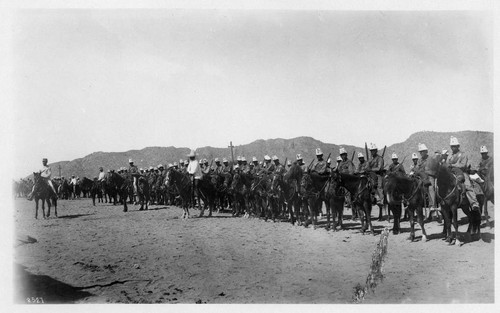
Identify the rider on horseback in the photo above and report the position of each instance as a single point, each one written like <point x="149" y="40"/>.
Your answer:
<point x="194" y="171"/>
<point x="362" y="166"/>
<point x="134" y="172"/>
<point x="376" y="166"/>
<point x="45" y="172"/>
<point x="486" y="163"/>
<point x="457" y="161"/>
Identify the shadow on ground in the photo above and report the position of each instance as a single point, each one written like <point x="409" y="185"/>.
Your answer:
<point x="28" y="285"/>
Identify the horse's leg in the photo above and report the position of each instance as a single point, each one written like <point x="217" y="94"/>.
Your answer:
<point x="368" y="213"/>
<point x="48" y="207"/>
<point x="124" y="197"/>
<point x="454" y="212"/>
<point x="43" y="208"/>
<point x="36" y="208"/>
<point x="396" y="210"/>
<point x="410" y="210"/>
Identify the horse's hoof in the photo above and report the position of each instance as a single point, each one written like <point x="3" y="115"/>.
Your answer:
<point x="424" y="238"/>
<point x="460" y="243"/>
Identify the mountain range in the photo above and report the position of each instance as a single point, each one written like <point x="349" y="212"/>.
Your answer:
<point x="88" y="166"/>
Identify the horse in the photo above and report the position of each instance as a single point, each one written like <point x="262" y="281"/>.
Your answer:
<point x="450" y="198"/>
<point x="42" y="191"/>
<point x="143" y="192"/>
<point x="318" y="194"/>
<point x="308" y="199"/>
<point x="240" y="189"/>
<point x="288" y="184"/>
<point x="336" y="196"/>
<point x="86" y="186"/>
<point x="207" y="192"/>
<point x="119" y="185"/>
<point x="399" y="189"/>
<point x="64" y="190"/>
<point x="260" y="190"/>
<point x="96" y="190"/>
<point x="360" y="189"/>
<point x="183" y="185"/>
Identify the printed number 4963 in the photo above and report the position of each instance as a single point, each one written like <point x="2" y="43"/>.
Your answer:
<point x="34" y="300"/>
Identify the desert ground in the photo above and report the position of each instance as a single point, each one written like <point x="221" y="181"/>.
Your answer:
<point x="99" y="254"/>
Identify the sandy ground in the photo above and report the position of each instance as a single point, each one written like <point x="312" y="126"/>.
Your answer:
<point x="103" y="255"/>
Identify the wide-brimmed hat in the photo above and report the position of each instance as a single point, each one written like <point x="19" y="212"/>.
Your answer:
<point x="342" y="151"/>
<point x="298" y="157"/>
<point x="373" y="146"/>
<point x="394" y="156"/>
<point x="360" y="155"/>
<point x="422" y="147"/>
<point x="454" y="141"/>
<point x="414" y="156"/>
<point x="483" y="149"/>
<point x="318" y="151"/>
<point x="191" y="154"/>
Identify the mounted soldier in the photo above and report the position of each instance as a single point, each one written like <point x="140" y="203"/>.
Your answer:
<point x="396" y="167"/>
<point x="218" y="166"/>
<point x="301" y="163"/>
<point x="458" y="162"/>
<point x="486" y="163"/>
<point x="429" y="180"/>
<point x="320" y="167"/>
<point x="194" y="171"/>
<point x="414" y="159"/>
<point x="256" y="166"/>
<point x="278" y="167"/>
<point x="134" y="172"/>
<point x="267" y="162"/>
<point x="45" y="173"/>
<point x="345" y="166"/>
<point x="362" y="165"/>
<point x="376" y="167"/>
<point x="225" y="167"/>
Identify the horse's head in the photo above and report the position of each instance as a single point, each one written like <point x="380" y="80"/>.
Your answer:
<point x="276" y="180"/>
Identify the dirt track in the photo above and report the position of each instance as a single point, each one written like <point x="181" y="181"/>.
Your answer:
<point x="100" y="254"/>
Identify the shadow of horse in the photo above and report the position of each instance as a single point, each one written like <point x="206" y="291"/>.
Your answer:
<point x="28" y="285"/>
<point x="75" y="215"/>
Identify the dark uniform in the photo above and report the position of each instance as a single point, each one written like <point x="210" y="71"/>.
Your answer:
<point x="346" y="167"/>
<point x="376" y="165"/>
<point x="397" y="169"/>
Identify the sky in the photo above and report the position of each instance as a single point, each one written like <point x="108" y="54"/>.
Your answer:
<point x="116" y="80"/>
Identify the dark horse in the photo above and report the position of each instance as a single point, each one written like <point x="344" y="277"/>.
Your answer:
<point x="143" y="192"/>
<point x="207" y="192"/>
<point x="120" y="185"/>
<point x="289" y="185"/>
<point x="360" y="189"/>
<point x="42" y="191"/>
<point x="450" y="197"/>
<point x="183" y="184"/>
<point x="399" y="189"/>
<point x="240" y="189"/>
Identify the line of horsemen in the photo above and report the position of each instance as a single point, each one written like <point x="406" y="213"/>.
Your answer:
<point x="259" y="189"/>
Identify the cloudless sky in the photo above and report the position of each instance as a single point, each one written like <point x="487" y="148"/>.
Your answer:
<point x="116" y="80"/>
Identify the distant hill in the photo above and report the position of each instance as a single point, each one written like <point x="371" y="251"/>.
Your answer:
<point x="284" y="148"/>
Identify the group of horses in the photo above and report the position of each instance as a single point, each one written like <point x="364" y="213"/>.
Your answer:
<point x="295" y="195"/>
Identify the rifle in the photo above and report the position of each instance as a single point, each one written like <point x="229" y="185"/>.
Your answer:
<point x="352" y="157"/>
<point x="383" y="152"/>
<point x="328" y="158"/>
<point x="284" y="164"/>
<point x="309" y="167"/>
<point x="366" y="151"/>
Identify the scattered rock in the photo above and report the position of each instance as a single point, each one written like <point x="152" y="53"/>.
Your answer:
<point x="198" y="301"/>
<point x="137" y="266"/>
<point x="222" y="294"/>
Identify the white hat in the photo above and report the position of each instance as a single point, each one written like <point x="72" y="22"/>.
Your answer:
<point x="275" y="158"/>
<point x="414" y="156"/>
<point x="328" y="161"/>
<point x="422" y="147"/>
<point x="299" y="157"/>
<point x="339" y="159"/>
<point x="169" y="165"/>
<point x="238" y="158"/>
<point x="175" y="164"/>
<point x="394" y="156"/>
<point x="243" y="159"/>
<point x="160" y="165"/>
<point x="191" y="154"/>
<point x="373" y="146"/>
<point x="130" y="161"/>
<point x="141" y="169"/>
<point x="216" y="160"/>
<point x="181" y="161"/>
<point x="360" y="155"/>
<point x="254" y="159"/>
<point x="224" y="160"/>
<point x="454" y="141"/>
<point x="150" y="167"/>
<point x="318" y="151"/>
<point x="236" y="166"/>
<point x="267" y="158"/>
<point x="342" y="151"/>
<point x="289" y="162"/>
<point x="444" y="151"/>
<point x="483" y="149"/>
